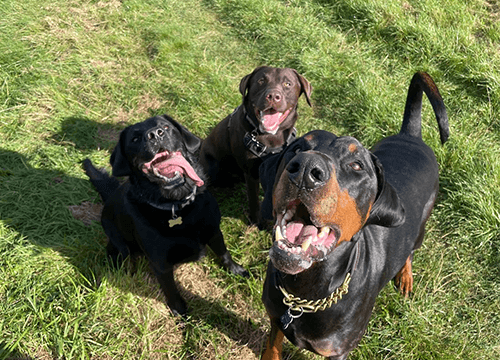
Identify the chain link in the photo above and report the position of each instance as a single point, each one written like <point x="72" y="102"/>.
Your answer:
<point x="308" y="306"/>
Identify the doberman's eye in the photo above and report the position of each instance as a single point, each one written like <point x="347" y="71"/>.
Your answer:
<point x="356" y="166"/>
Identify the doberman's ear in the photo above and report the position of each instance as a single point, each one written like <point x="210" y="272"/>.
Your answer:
<point x="267" y="175"/>
<point x="118" y="160"/>
<point x="387" y="210"/>
<point x="306" y="87"/>
<point x="191" y="141"/>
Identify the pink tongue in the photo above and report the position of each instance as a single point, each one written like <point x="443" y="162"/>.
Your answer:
<point x="297" y="232"/>
<point x="177" y="163"/>
<point x="271" y="121"/>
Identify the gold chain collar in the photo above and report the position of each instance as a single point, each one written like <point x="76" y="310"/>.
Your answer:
<point x="295" y="303"/>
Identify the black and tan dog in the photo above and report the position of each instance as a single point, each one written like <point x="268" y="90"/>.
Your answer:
<point x="163" y="210"/>
<point x="347" y="222"/>
<point x="263" y="124"/>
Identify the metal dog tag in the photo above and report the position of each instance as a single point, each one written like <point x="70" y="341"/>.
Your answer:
<point x="175" y="221"/>
<point x="286" y="318"/>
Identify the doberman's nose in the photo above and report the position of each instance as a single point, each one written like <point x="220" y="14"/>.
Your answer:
<point x="308" y="171"/>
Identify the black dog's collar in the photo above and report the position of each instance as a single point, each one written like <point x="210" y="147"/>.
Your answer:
<point x="175" y="206"/>
<point x="255" y="146"/>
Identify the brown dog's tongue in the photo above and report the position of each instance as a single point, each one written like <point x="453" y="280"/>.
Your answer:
<point x="270" y="122"/>
<point x="178" y="163"/>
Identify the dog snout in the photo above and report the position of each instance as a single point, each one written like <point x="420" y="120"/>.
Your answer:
<point x="156" y="134"/>
<point x="308" y="171"/>
<point x="274" y="96"/>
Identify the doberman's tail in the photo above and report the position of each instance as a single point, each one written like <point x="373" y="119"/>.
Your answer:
<point x="412" y="119"/>
<point x="104" y="184"/>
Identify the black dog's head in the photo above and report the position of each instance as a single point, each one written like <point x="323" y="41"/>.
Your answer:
<point x="271" y="94"/>
<point x="322" y="190"/>
<point x="159" y="155"/>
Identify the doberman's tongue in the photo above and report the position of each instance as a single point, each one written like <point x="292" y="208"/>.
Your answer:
<point x="297" y="232"/>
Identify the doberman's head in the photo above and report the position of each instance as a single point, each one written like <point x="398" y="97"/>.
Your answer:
<point x="159" y="153"/>
<point x="271" y="95"/>
<point x="322" y="190"/>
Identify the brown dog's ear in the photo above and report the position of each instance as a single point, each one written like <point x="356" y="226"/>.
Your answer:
<point x="306" y="87"/>
<point x="387" y="209"/>
<point x="244" y="81"/>
<point x="118" y="160"/>
<point x="191" y="141"/>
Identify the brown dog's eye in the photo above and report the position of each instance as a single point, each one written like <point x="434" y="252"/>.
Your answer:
<point x="286" y="84"/>
<point x="356" y="166"/>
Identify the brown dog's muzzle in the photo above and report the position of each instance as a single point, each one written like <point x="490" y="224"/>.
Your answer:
<point x="313" y="214"/>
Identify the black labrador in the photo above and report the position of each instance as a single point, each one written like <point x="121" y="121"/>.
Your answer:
<point x="163" y="210"/>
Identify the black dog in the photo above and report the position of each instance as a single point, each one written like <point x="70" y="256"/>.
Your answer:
<point x="262" y="125"/>
<point x="163" y="210"/>
<point x="347" y="222"/>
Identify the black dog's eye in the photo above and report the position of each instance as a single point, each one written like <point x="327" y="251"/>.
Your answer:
<point x="261" y="81"/>
<point x="135" y="139"/>
<point x="356" y="166"/>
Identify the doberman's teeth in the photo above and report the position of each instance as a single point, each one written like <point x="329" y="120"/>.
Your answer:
<point x="277" y="234"/>
<point x="306" y="243"/>
<point x="325" y="230"/>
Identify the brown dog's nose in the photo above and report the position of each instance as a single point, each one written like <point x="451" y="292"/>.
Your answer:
<point x="274" y="97"/>
<point x="308" y="171"/>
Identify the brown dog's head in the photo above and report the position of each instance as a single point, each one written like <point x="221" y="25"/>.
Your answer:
<point x="322" y="190"/>
<point x="159" y="156"/>
<point x="271" y="94"/>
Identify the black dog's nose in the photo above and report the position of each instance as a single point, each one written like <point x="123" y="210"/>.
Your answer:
<point x="308" y="171"/>
<point x="156" y="134"/>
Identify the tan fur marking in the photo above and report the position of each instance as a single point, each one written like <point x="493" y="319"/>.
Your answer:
<point x="335" y="206"/>
<point x="273" y="346"/>
<point x="353" y="148"/>
<point x="404" y="278"/>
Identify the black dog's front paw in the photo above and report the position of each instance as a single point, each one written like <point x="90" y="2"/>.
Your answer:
<point x="233" y="267"/>
<point x="178" y="307"/>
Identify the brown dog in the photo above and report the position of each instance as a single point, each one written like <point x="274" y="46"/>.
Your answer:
<point x="262" y="125"/>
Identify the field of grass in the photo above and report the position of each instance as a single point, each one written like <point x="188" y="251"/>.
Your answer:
<point x="74" y="73"/>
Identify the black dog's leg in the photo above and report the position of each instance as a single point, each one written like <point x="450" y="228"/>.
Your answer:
<point x="252" y="186"/>
<point x="174" y="300"/>
<point x="216" y="243"/>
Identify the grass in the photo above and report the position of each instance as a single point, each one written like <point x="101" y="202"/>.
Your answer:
<point x="74" y="73"/>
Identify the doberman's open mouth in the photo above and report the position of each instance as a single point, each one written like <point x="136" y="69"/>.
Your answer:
<point x="271" y="119"/>
<point x="172" y="168"/>
<point x="298" y="242"/>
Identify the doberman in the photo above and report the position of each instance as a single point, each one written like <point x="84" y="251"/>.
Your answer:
<point x="262" y="125"/>
<point x="163" y="211"/>
<point x="347" y="221"/>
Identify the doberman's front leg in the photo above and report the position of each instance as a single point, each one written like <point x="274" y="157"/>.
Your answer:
<point x="404" y="278"/>
<point x="274" y="343"/>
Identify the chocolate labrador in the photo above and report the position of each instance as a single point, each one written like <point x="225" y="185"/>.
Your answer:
<point x="262" y="125"/>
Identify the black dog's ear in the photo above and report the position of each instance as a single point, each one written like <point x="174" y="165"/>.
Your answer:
<point x="118" y="160"/>
<point x="267" y="175"/>
<point x="306" y="86"/>
<point x="191" y="141"/>
<point x="387" y="210"/>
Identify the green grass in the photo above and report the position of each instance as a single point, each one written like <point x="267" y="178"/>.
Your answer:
<point x="74" y="73"/>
